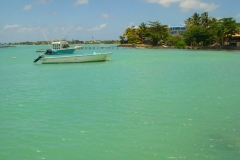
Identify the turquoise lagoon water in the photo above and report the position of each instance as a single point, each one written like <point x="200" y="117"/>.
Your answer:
<point x="143" y="104"/>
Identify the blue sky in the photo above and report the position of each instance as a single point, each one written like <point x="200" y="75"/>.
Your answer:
<point x="26" y="20"/>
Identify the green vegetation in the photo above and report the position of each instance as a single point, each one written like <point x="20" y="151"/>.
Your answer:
<point x="70" y="42"/>
<point x="202" y="30"/>
<point x="152" y="33"/>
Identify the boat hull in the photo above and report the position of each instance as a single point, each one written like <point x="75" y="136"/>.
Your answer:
<point x="63" y="51"/>
<point x="77" y="58"/>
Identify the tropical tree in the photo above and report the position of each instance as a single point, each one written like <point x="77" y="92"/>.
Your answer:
<point x="223" y="29"/>
<point x="197" y="20"/>
<point x="238" y="28"/>
<point x="201" y="30"/>
<point x="216" y="30"/>
<point x="197" y="35"/>
<point x="229" y="27"/>
<point x="180" y="44"/>
<point x="131" y="35"/>
<point x="158" y="32"/>
<point x="155" y="32"/>
<point x="142" y="30"/>
<point x="204" y="19"/>
<point x="188" y="23"/>
<point x="211" y="27"/>
<point x="172" y="40"/>
<point x="122" y="39"/>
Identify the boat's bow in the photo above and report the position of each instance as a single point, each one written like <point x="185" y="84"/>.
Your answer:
<point x="37" y="59"/>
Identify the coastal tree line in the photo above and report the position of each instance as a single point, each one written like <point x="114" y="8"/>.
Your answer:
<point x="69" y="41"/>
<point x="201" y="30"/>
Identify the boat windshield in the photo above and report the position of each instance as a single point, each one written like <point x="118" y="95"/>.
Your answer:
<point x="65" y="46"/>
<point x="56" y="46"/>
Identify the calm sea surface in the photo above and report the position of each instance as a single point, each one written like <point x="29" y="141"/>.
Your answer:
<point x="143" y="104"/>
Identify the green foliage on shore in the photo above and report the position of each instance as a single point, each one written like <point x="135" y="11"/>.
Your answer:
<point x="202" y="30"/>
<point x="197" y="35"/>
<point x="152" y="33"/>
<point x="180" y="44"/>
<point x="70" y="42"/>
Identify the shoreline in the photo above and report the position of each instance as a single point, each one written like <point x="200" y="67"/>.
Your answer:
<point x="187" y="47"/>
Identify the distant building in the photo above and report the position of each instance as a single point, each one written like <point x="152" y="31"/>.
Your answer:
<point x="235" y="41"/>
<point x="93" y="42"/>
<point x="177" y="30"/>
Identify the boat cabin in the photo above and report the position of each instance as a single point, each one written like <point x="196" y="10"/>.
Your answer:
<point x="60" y="45"/>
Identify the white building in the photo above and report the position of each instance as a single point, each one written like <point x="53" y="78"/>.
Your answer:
<point x="177" y="30"/>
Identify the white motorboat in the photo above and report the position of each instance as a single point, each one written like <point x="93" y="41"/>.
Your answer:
<point x="74" y="58"/>
<point x="78" y="47"/>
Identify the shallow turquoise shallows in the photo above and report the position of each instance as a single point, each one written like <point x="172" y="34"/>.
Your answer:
<point x="144" y="104"/>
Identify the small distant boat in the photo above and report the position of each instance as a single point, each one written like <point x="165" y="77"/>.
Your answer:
<point x="78" y="47"/>
<point x="41" y="50"/>
<point x="6" y="46"/>
<point x="94" y="57"/>
<point x="60" y="47"/>
<point x="140" y="47"/>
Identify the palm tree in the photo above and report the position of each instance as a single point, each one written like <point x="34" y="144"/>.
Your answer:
<point x="142" y="30"/>
<point x="212" y="27"/>
<point x="204" y="20"/>
<point x="189" y="23"/>
<point x="158" y="32"/>
<point x="196" y="19"/>
<point x="131" y="35"/>
<point x="230" y="27"/>
<point x="122" y="39"/>
<point x="223" y="28"/>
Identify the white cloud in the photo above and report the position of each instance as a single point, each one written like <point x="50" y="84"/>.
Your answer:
<point x="28" y="29"/>
<point x="16" y="28"/>
<point x="79" y="29"/>
<point x="11" y="26"/>
<point x="105" y="15"/>
<point x="238" y="16"/>
<point x="165" y="3"/>
<point x="187" y="5"/>
<point x="27" y="7"/>
<point x="63" y="28"/>
<point x="218" y="18"/>
<point x="130" y="25"/>
<point x="43" y="1"/>
<point x="98" y="28"/>
<point x="79" y="2"/>
<point x="37" y="2"/>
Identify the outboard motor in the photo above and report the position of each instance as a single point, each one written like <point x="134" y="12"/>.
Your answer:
<point x="40" y="56"/>
<point x="48" y="51"/>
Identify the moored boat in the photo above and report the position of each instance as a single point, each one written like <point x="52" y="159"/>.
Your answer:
<point x="60" y="47"/>
<point x="95" y="57"/>
<point x="41" y="50"/>
<point x="140" y="47"/>
<point x="78" y="47"/>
